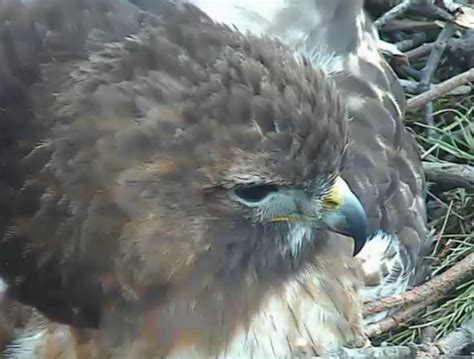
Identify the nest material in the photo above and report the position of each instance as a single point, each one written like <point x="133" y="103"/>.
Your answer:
<point x="431" y="48"/>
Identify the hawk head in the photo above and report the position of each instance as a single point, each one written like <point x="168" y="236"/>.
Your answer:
<point x="186" y="166"/>
<point x="245" y="171"/>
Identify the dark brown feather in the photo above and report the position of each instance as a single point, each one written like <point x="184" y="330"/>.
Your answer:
<point x="142" y="138"/>
<point x="137" y="127"/>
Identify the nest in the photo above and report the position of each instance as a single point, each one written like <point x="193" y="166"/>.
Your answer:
<point x="430" y="45"/>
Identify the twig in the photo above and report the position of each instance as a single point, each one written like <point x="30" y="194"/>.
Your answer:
<point x="411" y="25"/>
<point x="453" y="343"/>
<point x="428" y="119"/>
<point x="410" y="71"/>
<point x="420" y="51"/>
<point x="421" y="6"/>
<point x="438" y="12"/>
<point x="428" y="292"/>
<point x="436" y="53"/>
<point x="395" y="12"/>
<point x="400" y="352"/>
<point x="416" y="40"/>
<point x="411" y="87"/>
<point x="457" y="340"/>
<point x="450" y="175"/>
<point x="428" y="71"/>
<point x="464" y="45"/>
<point x="440" y="90"/>
<point x="394" y="321"/>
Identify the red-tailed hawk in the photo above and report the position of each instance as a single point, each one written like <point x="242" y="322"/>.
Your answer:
<point x="385" y="170"/>
<point x="175" y="187"/>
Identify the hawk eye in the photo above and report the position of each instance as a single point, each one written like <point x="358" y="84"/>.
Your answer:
<point x="255" y="193"/>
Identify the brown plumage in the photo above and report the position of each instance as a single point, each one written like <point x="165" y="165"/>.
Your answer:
<point x="178" y="186"/>
<point x="384" y="169"/>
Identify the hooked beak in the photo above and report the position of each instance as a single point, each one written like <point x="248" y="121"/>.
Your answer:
<point x="348" y="216"/>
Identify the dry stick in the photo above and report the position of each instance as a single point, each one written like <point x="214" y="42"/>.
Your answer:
<point x="438" y="12"/>
<point x="416" y="40"/>
<point x="411" y="25"/>
<point x="428" y="292"/>
<point x="450" y="175"/>
<point x="420" y="51"/>
<point x="411" y="87"/>
<point x="393" y="321"/>
<point x="410" y="71"/>
<point x="428" y="119"/>
<point x="399" y="352"/>
<point x="428" y="72"/>
<point x="451" y="344"/>
<point x="395" y="12"/>
<point x="440" y="90"/>
<point x="457" y="340"/>
<point x="465" y="46"/>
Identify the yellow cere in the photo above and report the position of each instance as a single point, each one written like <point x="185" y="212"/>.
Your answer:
<point x="333" y="198"/>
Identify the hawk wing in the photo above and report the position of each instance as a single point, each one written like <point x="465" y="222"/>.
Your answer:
<point x="385" y="171"/>
<point x="41" y="43"/>
<point x="42" y="272"/>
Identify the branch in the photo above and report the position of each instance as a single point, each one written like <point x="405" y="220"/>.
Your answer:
<point x="420" y="51"/>
<point x="457" y="340"/>
<point x="452" y="344"/>
<point x="400" y="352"/>
<point x="464" y="46"/>
<point x="436" y="53"/>
<point x="395" y="12"/>
<point x="411" y="25"/>
<point x="394" y="321"/>
<point x="441" y="89"/>
<point x="426" y="293"/>
<point x="450" y="175"/>
<point x="412" y="87"/>
<point x="419" y="298"/>
<point x="430" y="68"/>
<point x="416" y="40"/>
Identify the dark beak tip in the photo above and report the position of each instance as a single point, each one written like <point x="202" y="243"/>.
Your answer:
<point x="360" y="233"/>
<point x="359" y="243"/>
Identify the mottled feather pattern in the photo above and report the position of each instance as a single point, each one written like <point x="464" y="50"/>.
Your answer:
<point x="177" y="105"/>
<point x="339" y="38"/>
<point x="387" y="270"/>
<point x="140" y="124"/>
